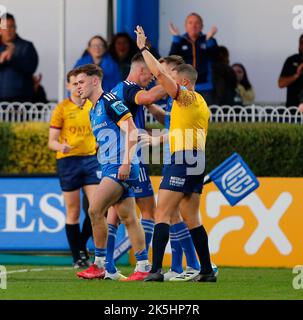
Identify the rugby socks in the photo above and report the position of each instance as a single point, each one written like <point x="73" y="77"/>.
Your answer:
<point x="186" y="241"/>
<point x="100" y="254"/>
<point x="110" y="264"/>
<point x="142" y="261"/>
<point x="160" y="239"/>
<point x="176" y="251"/>
<point x="73" y="238"/>
<point x="148" y="226"/>
<point x="200" y="240"/>
<point x="86" y="233"/>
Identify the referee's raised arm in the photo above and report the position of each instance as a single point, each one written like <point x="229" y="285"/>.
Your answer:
<point x="155" y="66"/>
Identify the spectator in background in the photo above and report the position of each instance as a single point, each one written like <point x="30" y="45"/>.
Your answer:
<point x="197" y="49"/>
<point x="224" y="80"/>
<point x="244" y="87"/>
<point x="96" y="53"/>
<point x="122" y="48"/>
<point x="18" y="62"/>
<point x="291" y="76"/>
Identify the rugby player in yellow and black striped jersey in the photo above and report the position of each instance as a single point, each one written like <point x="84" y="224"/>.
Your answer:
<point x="70" y="135"/>
<point x="183" y="179"/>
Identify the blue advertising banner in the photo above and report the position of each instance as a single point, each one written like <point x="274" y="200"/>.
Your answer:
<point x="32" y="215"/>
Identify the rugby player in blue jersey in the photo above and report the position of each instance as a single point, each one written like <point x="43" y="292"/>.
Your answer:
<point x="133" y="94"/>
<point x="117" y="136"/>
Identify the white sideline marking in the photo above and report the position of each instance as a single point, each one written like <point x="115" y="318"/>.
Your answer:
<point x="37" y="270"/>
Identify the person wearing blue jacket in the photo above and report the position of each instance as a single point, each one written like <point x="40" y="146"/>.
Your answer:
<point x="197" y="49"/>
<point x="96" y="53"/>
<point x="18" y="62"/>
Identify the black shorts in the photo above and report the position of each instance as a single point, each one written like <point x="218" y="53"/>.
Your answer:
<point x="176" y="176"/>
<point x="77" y="171"/>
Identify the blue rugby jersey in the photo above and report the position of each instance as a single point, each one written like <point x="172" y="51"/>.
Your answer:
<point x="105" y="117"/>
<point x="127" y="91"/>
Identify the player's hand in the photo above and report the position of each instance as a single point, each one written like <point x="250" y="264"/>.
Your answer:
<point x="211" y="32"/>
<point x="124" y="172"/>
<point x="300" y="108"/>
<point x="148" y="140"/>
<point x="65" y="148"/>
<point x="141" y="38"/>
<point x="173" y="29"/>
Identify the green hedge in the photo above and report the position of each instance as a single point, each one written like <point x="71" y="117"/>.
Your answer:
<point x="24" y="149"/>
<point x="274" y="150"/>
<point x="271" y="150"/>
<point x="5" y="136"/>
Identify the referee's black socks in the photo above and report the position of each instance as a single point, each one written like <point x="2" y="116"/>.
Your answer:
<point x="160" y="239"/>
<point x="73" y="237"/>
<point x="200" y="240"/>
<point x="86" y="233"/>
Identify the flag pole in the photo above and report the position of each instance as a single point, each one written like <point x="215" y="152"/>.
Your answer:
<point x="110" y="20"/>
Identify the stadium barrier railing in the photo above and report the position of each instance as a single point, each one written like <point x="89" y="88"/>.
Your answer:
<point x="41" y="112"/>
<point x="26" y="111"/>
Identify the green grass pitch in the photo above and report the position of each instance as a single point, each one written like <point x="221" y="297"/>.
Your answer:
<point x="233" y="283"/>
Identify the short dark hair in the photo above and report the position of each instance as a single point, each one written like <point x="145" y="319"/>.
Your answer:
<point x="138" y="57"/>
<point x="133" y="49"/>
<point x="189" y="71"/>
<point x="70" y="74"/>
<point x="8" y="16"/>
<point x="89" y="70"/>
<point x="173" y="59"/>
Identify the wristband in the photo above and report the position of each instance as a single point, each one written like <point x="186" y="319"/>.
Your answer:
<point x="144" y="48"/>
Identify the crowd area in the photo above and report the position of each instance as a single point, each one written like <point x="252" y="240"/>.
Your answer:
<point x="219" y="82"/>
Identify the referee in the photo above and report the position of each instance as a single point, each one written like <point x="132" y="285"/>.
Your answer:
<point x="183" y="177"/>
<point x="70" y="135"/>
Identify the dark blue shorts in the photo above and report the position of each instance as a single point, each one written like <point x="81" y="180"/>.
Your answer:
<point x="111" y="171"/>
<point x="142" y="186"/>
<point x="176" y="178"/>
<point x="77" y="171"/>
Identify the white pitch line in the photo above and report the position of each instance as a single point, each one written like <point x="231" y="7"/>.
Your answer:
<point x="36" y="270"/>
